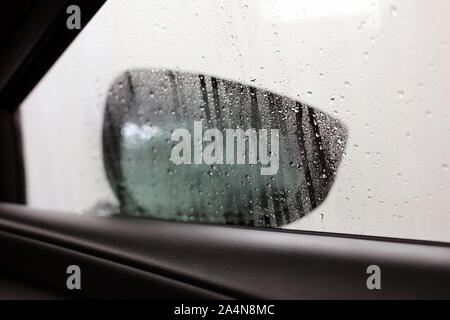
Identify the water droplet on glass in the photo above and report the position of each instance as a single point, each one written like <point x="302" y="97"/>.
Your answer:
<point x="393" y="11"/>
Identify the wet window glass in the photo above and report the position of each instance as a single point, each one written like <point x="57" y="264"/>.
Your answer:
<point x="307" y="115"/>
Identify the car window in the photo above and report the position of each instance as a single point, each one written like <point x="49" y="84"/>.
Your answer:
<point x="307" y="115"/>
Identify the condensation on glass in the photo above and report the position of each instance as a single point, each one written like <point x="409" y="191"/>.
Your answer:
<point x="370" y="80"/>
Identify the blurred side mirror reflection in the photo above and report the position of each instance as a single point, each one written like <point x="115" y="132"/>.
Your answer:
<point x="172" y="142"/>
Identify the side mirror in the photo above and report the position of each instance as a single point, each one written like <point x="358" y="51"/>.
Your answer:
<point x="187" y="147"/>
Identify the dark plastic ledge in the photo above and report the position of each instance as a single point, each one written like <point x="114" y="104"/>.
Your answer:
<point x="209" y="261"/>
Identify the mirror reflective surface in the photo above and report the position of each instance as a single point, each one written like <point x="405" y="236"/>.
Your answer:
<point x="189" y="147"/>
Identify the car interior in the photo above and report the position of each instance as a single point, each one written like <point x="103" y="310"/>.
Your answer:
<point x="140" y="251"/>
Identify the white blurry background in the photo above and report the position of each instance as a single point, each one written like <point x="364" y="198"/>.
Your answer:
<point x="382" y="67"/>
